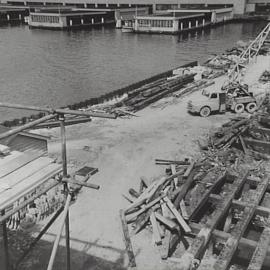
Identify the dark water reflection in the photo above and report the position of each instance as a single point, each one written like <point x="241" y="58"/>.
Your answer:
<point x="42" y="67"/>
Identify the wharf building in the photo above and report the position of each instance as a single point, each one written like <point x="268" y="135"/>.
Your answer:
<point x="65" y="18"/>
<point x="239" y="7"/>
<point x="177" y="21"/>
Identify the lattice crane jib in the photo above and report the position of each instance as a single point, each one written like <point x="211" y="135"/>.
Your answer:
<point x="251" y="51"/>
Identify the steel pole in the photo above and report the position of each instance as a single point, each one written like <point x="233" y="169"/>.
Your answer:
<point x="64" y="161"/>
<point x="58" y="236"/>
<point x="26" y="126"/>
<point x="5" y="242"/>
<point x="59" y="111"/>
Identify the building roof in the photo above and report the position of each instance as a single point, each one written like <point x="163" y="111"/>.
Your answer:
<point x="171" y="15"/>
<point x="66" y="11"/>
<point x="25" y="141"/>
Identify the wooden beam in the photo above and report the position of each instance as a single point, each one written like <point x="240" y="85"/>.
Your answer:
<point x="198" y="246"/>
<point x="260" y="146"/>
<point x="232" y="242"/>
<point x="145" y="195"/>
<point x="188" y="170"/>
<point x="80" y="183"/>
<point x="260" y="130"/>
<point x="244" y="243"/>
<point x="146" y="207"/>
<point x="166" y="221"/>
<point x="177" y="215"/>
<point x="243" y="144"/>
<point x="156" y="234"/>
<point x="127" y="240"/>
<point x="201" y="197"/>
<point x="260" y="210"/>
<point x="260" y="252"/>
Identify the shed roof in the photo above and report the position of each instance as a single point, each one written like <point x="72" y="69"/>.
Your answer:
<point x="25" y="141"/>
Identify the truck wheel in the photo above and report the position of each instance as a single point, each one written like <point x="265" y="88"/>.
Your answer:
<point x="251" y="107"/>
<point x="205" y="111"/>
<point x="239" y="108"/>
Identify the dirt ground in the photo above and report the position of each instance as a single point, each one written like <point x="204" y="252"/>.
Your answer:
<point x="123" y="150"/>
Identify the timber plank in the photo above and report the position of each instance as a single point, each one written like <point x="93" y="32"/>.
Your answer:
<point x="213" y="179"/>
<point x="127" y="240"/>
<point x="166" y="221"/>
<point x="18" y="162"/>
<point x="223" y="236"/>
<point x="26" y="171"/>
<point x="258" y="145"/>
<point x="11" y="195"/>
<point x="177" y="215"/>
<point x="156" y="233"/>
<point x="8" y="158"/>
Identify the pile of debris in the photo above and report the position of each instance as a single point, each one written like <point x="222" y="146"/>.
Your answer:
<point x="265" y="77"/>
<point x="194" y="196"/>
<point x="223" y="62"/>
<point x="169" y="205"/>
<point x="149" y="93"/>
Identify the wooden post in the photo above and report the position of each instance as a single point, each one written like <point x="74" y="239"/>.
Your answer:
<point x="127" y="240"/>
<point x="5" y="241"/>
<point x="64" y="161"/>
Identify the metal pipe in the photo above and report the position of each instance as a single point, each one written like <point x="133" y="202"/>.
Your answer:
<point x="5" y="242"/>
<point x="58" y="236"/>
<point x="26" y="126"/>
<point x="61" y="111"/>
<point x="42" y="232"/>
<point x="64" y="163"/>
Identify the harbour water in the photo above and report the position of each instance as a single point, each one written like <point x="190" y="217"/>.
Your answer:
<point x="57" y="68"/>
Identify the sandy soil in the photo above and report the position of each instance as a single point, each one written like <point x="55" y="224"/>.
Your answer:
<point x="123" y="150"/>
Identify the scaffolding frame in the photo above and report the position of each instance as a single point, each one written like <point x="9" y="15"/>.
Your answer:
<point x="59" y="115"/>
<point x="251" y="52"/>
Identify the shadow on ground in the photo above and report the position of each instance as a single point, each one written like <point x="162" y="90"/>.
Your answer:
<point x="38" y="258"/>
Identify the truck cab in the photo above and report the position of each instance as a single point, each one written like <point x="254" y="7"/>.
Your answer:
<point x="210" y="101"/>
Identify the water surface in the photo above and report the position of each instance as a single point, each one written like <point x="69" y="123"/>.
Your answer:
<point x="57" y="68"/>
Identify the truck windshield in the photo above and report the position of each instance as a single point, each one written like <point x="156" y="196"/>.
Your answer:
<point x="205" y="93"/>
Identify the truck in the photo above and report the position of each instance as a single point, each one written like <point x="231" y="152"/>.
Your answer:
<point x="234" y="97"/>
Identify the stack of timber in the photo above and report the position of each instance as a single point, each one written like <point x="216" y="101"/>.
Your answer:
<point x="140" y="98"/>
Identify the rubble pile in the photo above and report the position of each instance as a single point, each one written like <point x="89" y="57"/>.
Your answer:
<point x="192" y="194"/>
<point x="265" y="77"/>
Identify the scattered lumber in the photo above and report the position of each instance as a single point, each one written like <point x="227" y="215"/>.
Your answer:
<point x="127" y="241"/>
